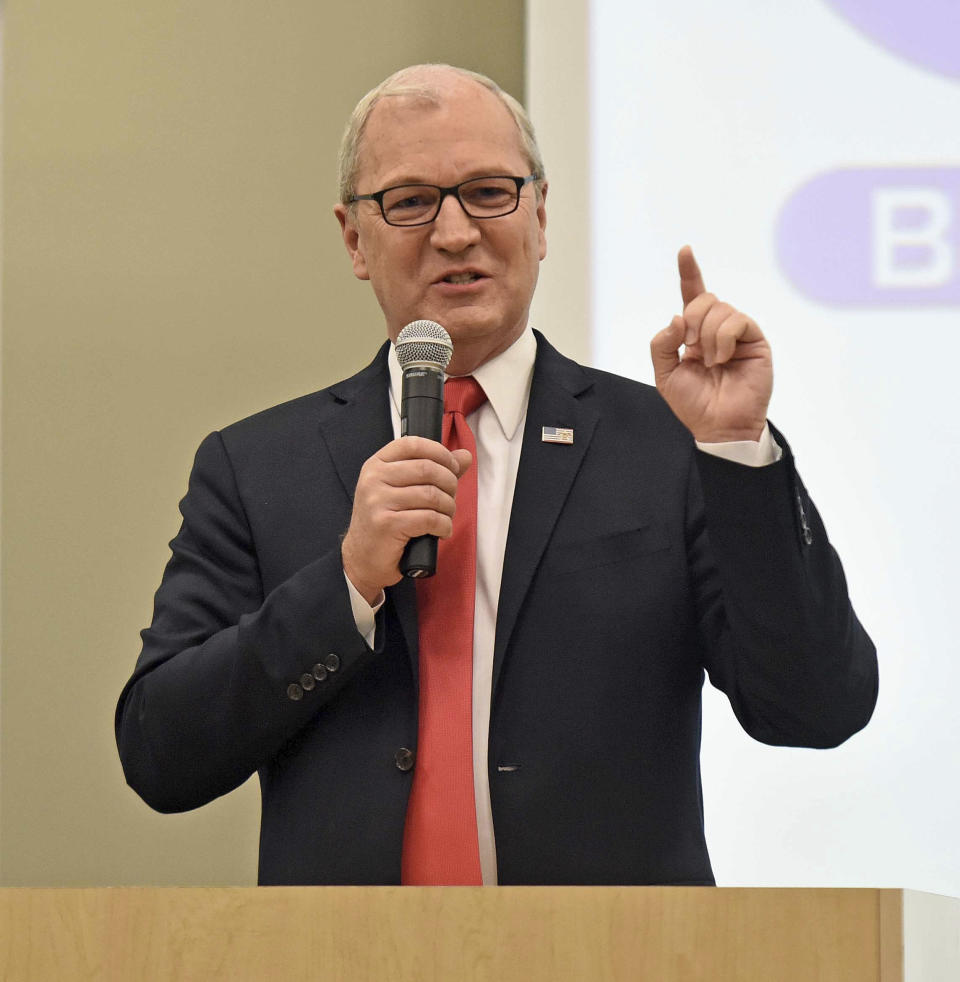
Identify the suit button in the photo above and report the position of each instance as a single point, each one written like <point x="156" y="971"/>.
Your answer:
<point x="332" y="663"/>
<point x="319" y="672"/>
<point x="403" y="758"/>
<point x="307" y="681"/>
<point x="294" y="692"/>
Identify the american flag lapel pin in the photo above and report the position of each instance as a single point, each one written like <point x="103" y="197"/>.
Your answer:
<point x="556" y="434"/>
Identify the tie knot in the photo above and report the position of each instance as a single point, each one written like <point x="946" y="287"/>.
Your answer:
<point x="463" y="395"/>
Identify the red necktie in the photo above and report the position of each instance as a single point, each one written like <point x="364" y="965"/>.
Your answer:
<point x="440" y="845"/>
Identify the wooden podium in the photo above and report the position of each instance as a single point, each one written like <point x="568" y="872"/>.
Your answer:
<point x="501" y="934"/>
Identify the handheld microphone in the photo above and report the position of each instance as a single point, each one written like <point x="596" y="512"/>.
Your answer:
<point x="424" y="350"/>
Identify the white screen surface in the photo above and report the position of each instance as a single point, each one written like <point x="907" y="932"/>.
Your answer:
<point x="810" y="153"/>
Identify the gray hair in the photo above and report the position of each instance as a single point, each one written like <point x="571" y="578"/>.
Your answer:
<point x="411" y="82"/>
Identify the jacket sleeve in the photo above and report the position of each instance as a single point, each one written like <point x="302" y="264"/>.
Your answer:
<point x="782" y="639"/>
<point x="227" y="675"/>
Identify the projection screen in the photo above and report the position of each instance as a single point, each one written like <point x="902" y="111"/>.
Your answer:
<point x="810" y="154"/>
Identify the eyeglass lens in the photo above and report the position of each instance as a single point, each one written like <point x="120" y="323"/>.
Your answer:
<point x="485" y="197"/>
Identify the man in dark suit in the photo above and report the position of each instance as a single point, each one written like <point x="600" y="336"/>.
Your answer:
<point x="672" y="535"/>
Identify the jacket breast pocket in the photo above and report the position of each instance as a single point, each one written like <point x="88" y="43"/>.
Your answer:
<point x="606" y="549"/>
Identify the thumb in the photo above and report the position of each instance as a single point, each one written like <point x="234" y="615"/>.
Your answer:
<point x="463" y="460"/>
<point x="664" y="349"/>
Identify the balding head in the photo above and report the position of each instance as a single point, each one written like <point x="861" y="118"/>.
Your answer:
<point x="430" y="83"/>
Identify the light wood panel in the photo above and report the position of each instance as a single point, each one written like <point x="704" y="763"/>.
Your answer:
<point x="525" y="934"/>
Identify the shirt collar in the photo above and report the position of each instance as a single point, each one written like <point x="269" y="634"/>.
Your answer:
<point x="505" y="379"/>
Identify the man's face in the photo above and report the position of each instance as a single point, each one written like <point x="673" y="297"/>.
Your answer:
<point x="493" y="262"/>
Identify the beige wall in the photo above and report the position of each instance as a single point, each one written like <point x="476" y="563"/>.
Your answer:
<point x="558" y="97"/>
<point x="171" y="263"/>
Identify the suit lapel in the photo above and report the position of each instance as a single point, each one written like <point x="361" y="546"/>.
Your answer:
<point x="356" y="421"/>
<point x="559" y="396"/>
<point x="354" y="426"/>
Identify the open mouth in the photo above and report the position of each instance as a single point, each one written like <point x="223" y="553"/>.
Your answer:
<point x="460" y="278"/>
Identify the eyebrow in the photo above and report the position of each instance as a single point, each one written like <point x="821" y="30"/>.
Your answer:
<point x="467" y="175"/>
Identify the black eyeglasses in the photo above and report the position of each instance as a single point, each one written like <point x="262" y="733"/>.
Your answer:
<point x="419" y="204"/>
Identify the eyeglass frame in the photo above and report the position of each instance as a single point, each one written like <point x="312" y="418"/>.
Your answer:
<point x="454" y="189"/>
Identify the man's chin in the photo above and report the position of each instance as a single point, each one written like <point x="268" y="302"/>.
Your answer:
<point x="473" y="345"/>
<point x="479" y="333"/>
<point x="456" y="322"/>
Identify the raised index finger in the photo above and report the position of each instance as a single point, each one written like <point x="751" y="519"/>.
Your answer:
<point x="691" y="279"/>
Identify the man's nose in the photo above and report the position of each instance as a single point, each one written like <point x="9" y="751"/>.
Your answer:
<point x="453" y="229"/>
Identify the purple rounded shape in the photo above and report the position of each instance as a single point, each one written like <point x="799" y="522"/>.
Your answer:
<point x="826" y="236"/>
<point x="926" y="32"/>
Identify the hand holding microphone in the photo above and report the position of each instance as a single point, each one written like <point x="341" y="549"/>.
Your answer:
<point x="424" y="350"/>
<point x="406" y="491"/>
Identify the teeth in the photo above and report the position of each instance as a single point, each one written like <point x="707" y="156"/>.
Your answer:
<point x="461" y="278"/>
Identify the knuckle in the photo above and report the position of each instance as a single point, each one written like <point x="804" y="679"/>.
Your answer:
<point x="423" y="471"/>
<point x="437" y="499"/>
<point x="703" y="302"/>
<point x="449" y="483"/>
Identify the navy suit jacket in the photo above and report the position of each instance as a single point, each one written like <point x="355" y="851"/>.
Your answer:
<point x="633" y="563"/>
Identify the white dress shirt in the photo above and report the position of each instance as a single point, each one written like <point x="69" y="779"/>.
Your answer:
<point x="498" y="427"/>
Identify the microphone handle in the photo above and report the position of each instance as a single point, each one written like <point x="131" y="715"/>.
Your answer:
<point x="421" y="414"/>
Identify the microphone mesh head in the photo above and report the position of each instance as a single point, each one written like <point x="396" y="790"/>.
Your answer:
<point x="424" y="342"/>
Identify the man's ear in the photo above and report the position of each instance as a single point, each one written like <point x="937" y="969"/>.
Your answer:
<point x="346" y="216"/>
<point x="542" y="219"/>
